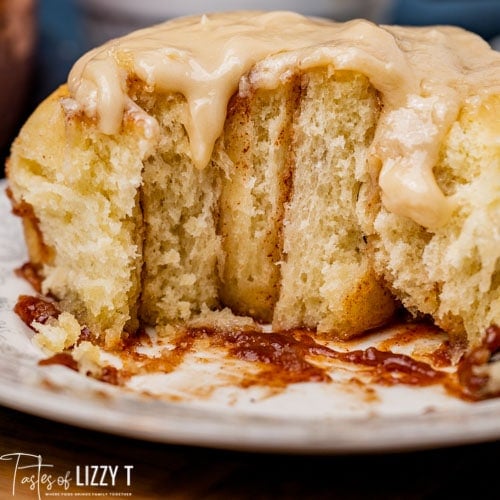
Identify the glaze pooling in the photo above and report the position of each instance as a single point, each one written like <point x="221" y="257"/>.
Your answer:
<point x="424" y="76"/>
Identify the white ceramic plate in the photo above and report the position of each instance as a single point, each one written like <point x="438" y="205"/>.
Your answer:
<point x="198" y="405"/>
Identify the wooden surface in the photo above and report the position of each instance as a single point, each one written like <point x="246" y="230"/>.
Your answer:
<point x="163" y="471"/>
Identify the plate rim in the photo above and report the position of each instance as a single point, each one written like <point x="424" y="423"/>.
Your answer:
<point x="134" y="416"/>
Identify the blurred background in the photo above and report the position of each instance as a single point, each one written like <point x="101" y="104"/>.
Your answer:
<point x="41" y="39"/>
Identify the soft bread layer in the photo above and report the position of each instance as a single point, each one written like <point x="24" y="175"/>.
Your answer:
<point x="179" y="203"/>
<point x="327" y="278"/>
<point x="453" y="273"/>
<point x="312" y="133"/>
<point x="83" y="186"/>
<point x="257" y="139"/>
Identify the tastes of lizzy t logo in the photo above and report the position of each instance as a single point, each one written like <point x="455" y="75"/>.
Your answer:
<point x="30" y="472"/>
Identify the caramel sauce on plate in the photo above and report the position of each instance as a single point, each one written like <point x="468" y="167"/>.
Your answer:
<point x="278" y="359"/>
<point x="35" y="309"/>
<point x="61" y="358"/>
<point x="474" y="382"/>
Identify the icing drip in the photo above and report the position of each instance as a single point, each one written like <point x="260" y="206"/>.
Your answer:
<point x="424" y="76"/>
